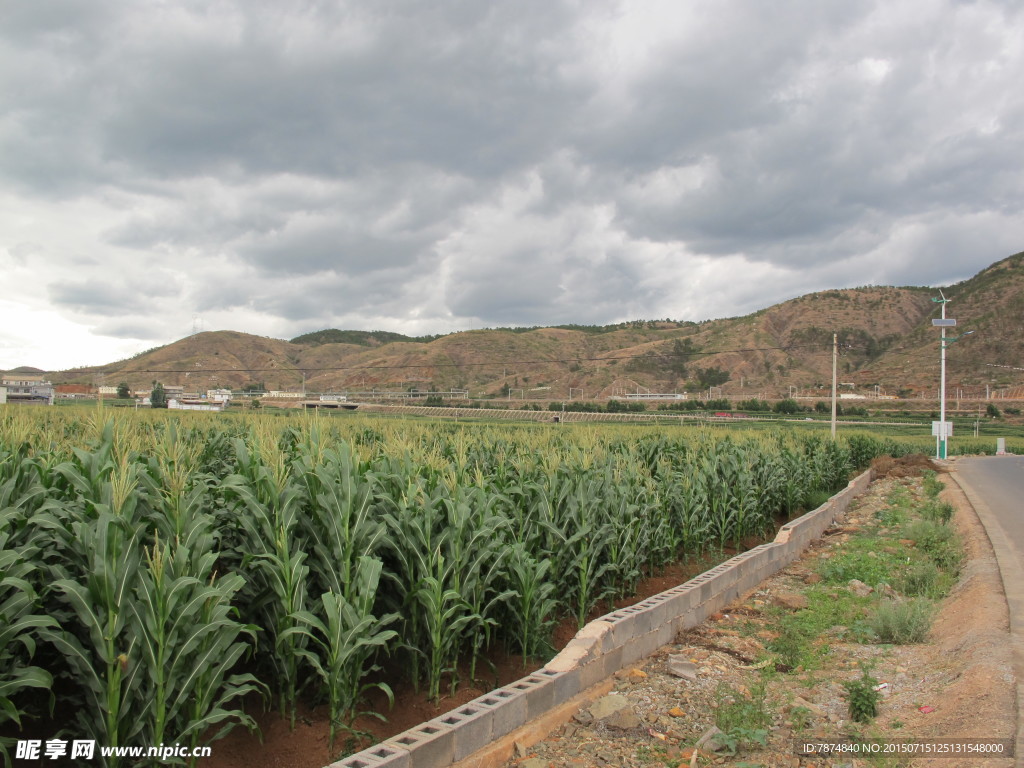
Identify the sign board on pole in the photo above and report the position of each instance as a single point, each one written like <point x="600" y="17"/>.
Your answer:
<point x="939" y="432"/>
<point x="944" y="322"/>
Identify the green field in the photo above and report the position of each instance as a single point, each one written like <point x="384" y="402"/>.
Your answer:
<point x="156" y="567"/>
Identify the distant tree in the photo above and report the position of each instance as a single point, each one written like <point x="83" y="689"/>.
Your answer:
<point x="123" y="391"/>
<point x="712" y="377"/>
<point x="157" y="398"/>
<point x="787" y="406"/>
<point x="991" y="410"/>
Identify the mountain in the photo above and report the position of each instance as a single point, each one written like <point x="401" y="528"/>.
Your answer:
<point x="886" y="343"/>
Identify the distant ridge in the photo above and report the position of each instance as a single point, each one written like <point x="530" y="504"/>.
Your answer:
<point x="887" y="344"/>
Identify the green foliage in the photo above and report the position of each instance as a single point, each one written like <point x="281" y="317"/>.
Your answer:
<point x="359" y="338"/>
<point x="626" y="406"/>
<point x="923" y="580"/>
<point x="863" y="698"/>
<point x="992" y="412"/>
<point x="124" y="392"/>
<point x="902" y="621"/>
<point x="754" y="406"/>
<point x="863" y="560"/>
<point x="932" y="485"/>
<point x="346" y="640"/>
<point x="263" y="524"/>
<point x="938" y="512"/>
<point x="744" y="718"/>
<point x="711" y="377"/>
<point x="157" y="397"/>
<point x="787" y="406"/>
<point x="939" y="542"/>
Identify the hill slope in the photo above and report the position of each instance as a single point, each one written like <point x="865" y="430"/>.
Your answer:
<point x="886" y="340"/>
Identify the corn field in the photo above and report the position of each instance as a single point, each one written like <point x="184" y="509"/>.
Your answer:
<point x="156" y="570"/>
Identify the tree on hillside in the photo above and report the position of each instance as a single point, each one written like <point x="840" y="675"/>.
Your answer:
<point x="712" y="377"/>
<point x="123" y="391"/>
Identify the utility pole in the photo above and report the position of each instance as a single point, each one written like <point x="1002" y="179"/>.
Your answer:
<point x="940" y="452"/>
<point x="835" y="357"/>
<point x="942" y="431"/>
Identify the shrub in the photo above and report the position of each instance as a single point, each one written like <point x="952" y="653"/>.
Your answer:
<point x="863" y="697"/>
<point x="922" y="580"/>
<point x="902" y="621"/>
<point x="937" y="541"/>
<point x="787" y="406"/>
<point x="932" y="485"/>
<point x="938" y="512"/>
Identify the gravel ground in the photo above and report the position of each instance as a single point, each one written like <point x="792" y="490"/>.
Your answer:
<point x="957" y="685"/>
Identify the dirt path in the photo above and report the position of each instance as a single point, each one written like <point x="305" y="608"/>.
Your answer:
<point x="959" y="684"/>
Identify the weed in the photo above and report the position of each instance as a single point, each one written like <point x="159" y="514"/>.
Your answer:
<point x="938" y="512"/>
<point x="743" y="718"/>
<point x="891" y="517"/>
<point x="932" y="485"/>
<point x="792" y="645"/>
<point x="863" y="698"/>
<point x="801" y="718"/>
<point x="923" y="580"/>
<point x="863" y="559"/>
<point x="937" y="541"/>
<point x="902" y="621"/>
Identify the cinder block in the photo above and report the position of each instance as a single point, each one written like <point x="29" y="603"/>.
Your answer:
<point x="657" y="608"/>
<point x="378" y="756"/>
<point x="592" y="673"/>
<point x="565" y="684"/>
<point x="471" y="726"/>
<point x="539" y="692"/>
<point x="666" y="633"/>
<point x="430" y="745"/>
<point x="680" y="600"/>
<point x="508" y="710"/>
<point x="640" y="647"/>
<point x="613" y="661"/>
<point x="627" y="624"/>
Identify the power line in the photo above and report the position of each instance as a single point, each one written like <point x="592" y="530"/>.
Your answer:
<point x="646" y="355"/>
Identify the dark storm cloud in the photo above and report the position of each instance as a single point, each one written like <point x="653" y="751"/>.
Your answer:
<point x="468" y="163"/>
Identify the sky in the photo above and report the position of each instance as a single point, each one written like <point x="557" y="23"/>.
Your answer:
<point x="278" y="167"/>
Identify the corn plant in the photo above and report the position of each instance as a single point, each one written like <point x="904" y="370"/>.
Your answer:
<point x="21" y="619"/>
<point x="266" y="509"/>
<point x="347" y="639"/>
<point x="94" y="634"/>
<point x="339" y="520"/>
<point x="446" y="616"/>
<point x="188" y="641"/>
<point x="532" y="610"/>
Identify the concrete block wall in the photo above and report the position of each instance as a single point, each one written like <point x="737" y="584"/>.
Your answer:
<point x="600" y="649"/>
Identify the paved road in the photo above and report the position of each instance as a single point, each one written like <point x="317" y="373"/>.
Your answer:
<point x="995" y="487"/>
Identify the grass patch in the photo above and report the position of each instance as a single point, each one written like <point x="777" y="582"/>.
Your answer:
<point x="924" y="580"/>
<point x="872" y="560"/>
<point x="938" y="542"/>
<point x="837" y="612"/>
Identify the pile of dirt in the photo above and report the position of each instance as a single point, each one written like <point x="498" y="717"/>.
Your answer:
<point x="911" y="465"/>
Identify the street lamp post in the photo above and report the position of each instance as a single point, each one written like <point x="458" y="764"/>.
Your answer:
<point x="942" y="430"/>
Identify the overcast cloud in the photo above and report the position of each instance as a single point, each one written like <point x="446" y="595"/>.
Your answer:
<point x="278" y="166"/>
